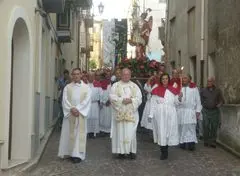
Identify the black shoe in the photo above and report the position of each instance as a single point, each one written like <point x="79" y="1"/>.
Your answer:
<point x="213" y="146"/>
<point x="163" y="156"/>
<point x="206" y="144"/>
<point x="121" y="156"/>
<point x="132" y="156"/>
<point x="191" y="146"/>
<point x="91" y="135"/>
<point x="164" y="153"/>
<point x="76" y="160"/>
<point x="183" y="146"/>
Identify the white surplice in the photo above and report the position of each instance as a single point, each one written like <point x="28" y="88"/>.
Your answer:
<point x="186" y="111"/>
<point x="78" y="96"/>
<point x="145" y="122"/>
<point x="164" y="118"/>
<point x="123" y="132"/>
<point x="94" y="113"/>
<point x="105" y="111"/>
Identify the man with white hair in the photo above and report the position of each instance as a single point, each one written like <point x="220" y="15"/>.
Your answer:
<point x="212" y="99"/>
<point x="125" y="97"/>
<point x="188" y="111"/>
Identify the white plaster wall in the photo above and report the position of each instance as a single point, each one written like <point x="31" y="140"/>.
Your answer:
<point x="70" y="50"/>
<point x="11" y="11"/>
<point x="179" y="10"/>
<point x="31" y="82"/>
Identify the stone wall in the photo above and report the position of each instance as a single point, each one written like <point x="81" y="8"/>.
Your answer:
<point x="229" y="133"/>
<point x="224" y="41"/>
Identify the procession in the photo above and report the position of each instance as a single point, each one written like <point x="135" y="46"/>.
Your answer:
<point x="119" y="88"/>
<point x="100" y="102"/>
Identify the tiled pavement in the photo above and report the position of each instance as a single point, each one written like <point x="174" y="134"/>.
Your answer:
<point x="100" y="162"/>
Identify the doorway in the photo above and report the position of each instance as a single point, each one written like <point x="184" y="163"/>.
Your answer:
<point x="19" y="119"/>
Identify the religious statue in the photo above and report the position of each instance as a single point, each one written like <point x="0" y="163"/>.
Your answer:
<point x="142" y="27"/>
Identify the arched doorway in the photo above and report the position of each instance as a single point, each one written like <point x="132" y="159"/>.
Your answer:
<point x="20" y="94"/>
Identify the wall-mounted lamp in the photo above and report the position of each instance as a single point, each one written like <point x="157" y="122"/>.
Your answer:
<point x="100" y="8"/>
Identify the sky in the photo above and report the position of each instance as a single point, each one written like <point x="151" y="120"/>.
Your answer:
<point x="112" y="9"/>
<point x="119" y="8"/>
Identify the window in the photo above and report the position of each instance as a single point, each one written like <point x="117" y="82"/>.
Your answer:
<point x="172" y="39"/>
<point x="63" y="20"/>
<point x="193" y="68"/>
<point x="179" y="58"/>
<point x="173" y="64"/>
<point x="191" y="31"/>
<point x="162" y="1"/>
<point x="211" y="65"/>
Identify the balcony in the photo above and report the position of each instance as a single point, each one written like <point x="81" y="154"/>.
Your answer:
<point x="84" y="4"/>
<point x="64" y="36"/>
<point x="53" y="6"/>
<point x="89" y="22"/>
<point x="63" y="27"/>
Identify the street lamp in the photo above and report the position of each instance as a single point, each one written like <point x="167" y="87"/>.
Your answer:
<point x="100" y="8"/>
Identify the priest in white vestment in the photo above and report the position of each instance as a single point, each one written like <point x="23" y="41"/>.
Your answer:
<point x="163" y="115"/>
<point x="125" y="98"/>
<point x="188" y="111"/>
<point x="93" y="115"/>
<point x="76" y="105"/>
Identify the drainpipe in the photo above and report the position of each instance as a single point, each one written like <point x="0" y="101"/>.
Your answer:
<point x="78" y="43"/>
<point x="202" y="28"/>
<point x="166" y="38"/>
<point x="87" y="48"/>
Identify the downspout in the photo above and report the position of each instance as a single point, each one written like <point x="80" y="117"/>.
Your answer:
<point x="78" y="43"/>
<point x="167" y="37"/>
<point x="87" y="47"/>
<point x="202" y="29"/>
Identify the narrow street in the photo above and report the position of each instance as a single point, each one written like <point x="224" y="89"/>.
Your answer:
<point x="100" y="162"/>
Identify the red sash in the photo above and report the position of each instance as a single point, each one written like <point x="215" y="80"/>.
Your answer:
<point x="160" y="90"/>
<point x="104" y="84"/>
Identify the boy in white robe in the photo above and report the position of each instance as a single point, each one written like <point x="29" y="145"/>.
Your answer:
<point x="105" y="109"/>
<point x="76" y="105"/>
<point x="93" y="116"/>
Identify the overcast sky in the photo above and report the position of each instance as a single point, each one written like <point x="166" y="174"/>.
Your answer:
<point x="112" y="8"/>
<point x="120" y="8"/>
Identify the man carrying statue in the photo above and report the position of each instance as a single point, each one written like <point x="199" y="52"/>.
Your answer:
<point x="125" y="97"/>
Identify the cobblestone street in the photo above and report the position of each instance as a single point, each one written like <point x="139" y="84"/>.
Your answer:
<point x="100" y="162"/>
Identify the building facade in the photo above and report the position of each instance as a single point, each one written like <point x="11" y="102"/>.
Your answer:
<point x="121" y="40"/>
<point x="97" y="54"/>
<point x="204" y="39"/>
<point x="185" y="37"/>
<point x="33" y="53"/>
<point x="223" y="54"/>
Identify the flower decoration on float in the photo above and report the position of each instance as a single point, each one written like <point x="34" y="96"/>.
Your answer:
<point x="141" y="68"/>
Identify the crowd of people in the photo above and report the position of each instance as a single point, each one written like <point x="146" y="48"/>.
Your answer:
<point x="107" y="102"/>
